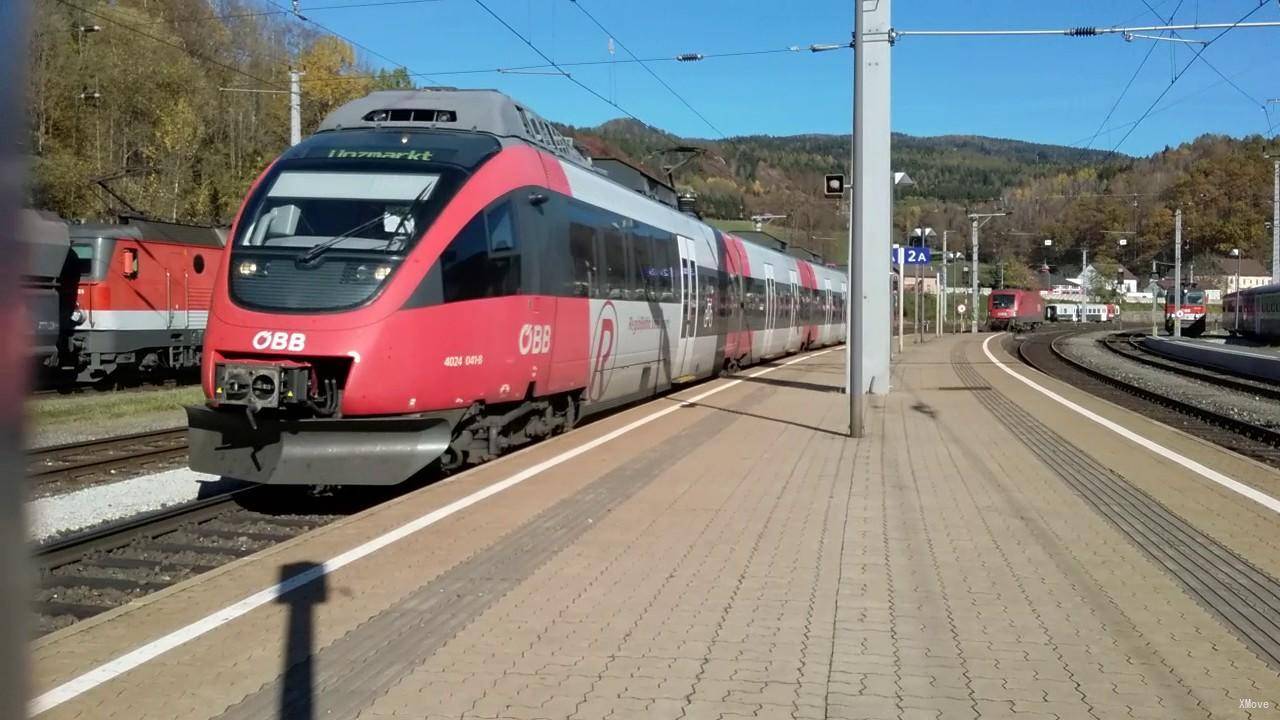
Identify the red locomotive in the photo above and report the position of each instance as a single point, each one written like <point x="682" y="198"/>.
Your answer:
<point x="439" y="275"/>
<point x="1191" y="315"/>
<point x="142" y="299"/>
<point x="1015" y="310"/>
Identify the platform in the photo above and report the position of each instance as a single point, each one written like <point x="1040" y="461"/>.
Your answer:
<point x="988" y="551"/>
<point x="1259" y="363"/>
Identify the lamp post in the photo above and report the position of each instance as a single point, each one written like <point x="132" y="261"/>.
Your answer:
<point x="1235" y="253"/>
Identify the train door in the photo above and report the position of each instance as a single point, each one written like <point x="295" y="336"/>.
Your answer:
<point x="770" y="309"/>
<point x="828" y="310"/>
<point x="689" y="307"/>
<point x="794" y="330"/>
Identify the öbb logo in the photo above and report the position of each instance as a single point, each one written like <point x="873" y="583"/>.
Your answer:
<point x="293" y="342"/>
<point x="535" y="339"/>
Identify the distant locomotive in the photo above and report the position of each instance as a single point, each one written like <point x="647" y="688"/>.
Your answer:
<point x="1191" y="314"/>
<point x="116" y="302"/>
<point x="438" y="276"/>
<point x="1015" y="310"/>
<point x="1253" y="313"/>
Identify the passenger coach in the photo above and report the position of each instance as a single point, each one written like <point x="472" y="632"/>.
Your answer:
<point x="439" y="275"/>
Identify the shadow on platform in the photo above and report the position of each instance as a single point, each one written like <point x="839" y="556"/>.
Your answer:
<point x="297" y="692"/>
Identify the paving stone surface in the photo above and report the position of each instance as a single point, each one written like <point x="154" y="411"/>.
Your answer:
<point x="767" y="566"/>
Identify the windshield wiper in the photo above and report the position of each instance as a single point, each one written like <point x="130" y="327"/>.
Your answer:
<point x="408" y="213"/>
<point x="315" y="251"/>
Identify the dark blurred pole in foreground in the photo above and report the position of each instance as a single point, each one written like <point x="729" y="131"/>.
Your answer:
<point x="15" y="587"/>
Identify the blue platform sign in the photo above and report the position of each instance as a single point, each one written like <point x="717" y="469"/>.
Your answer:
<point x="914" y="256"/>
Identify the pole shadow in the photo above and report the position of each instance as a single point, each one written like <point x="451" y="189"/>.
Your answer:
<point x="297" y="694"/>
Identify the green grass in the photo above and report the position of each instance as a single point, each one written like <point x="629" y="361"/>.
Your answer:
<point x="90" y="407"/>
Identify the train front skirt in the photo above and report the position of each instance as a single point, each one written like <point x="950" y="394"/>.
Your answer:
<point x="363" y="451"/>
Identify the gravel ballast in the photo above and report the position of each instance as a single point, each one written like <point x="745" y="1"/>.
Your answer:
<point x="58" y="515"/>
<point x="1086" y="349"/>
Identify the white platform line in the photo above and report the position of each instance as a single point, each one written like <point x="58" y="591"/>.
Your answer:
<point x="1203" y="471"/>
<point x="133" y="659"/>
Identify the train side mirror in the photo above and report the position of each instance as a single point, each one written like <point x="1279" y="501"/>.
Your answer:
<point x="129" y="263"/>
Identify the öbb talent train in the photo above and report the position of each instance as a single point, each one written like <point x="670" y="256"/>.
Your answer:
<point x="118" y="302"/>
<point x="438" y="275"/>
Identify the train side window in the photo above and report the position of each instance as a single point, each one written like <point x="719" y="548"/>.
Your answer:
<point x="464" y="263"/>
<point x="646" y="273"/>
<point x="503" y="272"/>
<point x="664" y="246"/>
<point x="616" y="286"/>
<point x="582" y="236"/>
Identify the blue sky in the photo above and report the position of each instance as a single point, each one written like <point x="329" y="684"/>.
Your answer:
<point x="1054" y="89"/>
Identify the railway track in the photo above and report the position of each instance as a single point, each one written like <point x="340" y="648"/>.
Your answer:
<point x="1124" y="344"/>
<point x="91" y="572"/>
<point x="58" y="468"/>
<point x="1251" y="440"/>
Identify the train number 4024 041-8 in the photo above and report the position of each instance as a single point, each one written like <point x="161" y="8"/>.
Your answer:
<point x="463" y="360"/>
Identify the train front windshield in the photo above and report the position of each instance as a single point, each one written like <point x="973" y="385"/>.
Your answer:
<point x="338" y="213"/>
<point x="1002" y="302"/>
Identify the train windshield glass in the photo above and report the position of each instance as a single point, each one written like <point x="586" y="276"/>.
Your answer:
<point x="369" y="211"/>
<point x="1002" y="302"/>
<point x="84" y="258"/>
<point x="1193" y="297"/>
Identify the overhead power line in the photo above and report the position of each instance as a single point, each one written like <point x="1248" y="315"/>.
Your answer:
<point x="1090" y="31"/>
<point x="1134" y="77"/>
<point x="354" y="43"/>
<point x="552" y="63"/>
<point x="683" y="58"/>
<point x="1199" y="52"/>
<point x="647" y="69"/>
<point x="1211" y="66"/>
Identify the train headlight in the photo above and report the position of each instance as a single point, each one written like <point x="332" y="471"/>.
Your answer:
<point x="362" y="272"/>
<point x="247" y="268"/>
<point x="381" y="272"/>
<point x="77" y="317"/>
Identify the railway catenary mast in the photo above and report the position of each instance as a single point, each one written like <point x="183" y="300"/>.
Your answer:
<point x="439" y="275"/>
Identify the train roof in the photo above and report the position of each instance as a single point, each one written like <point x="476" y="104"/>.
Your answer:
<point x="487" y="111"/>
<point x="136" y="228"/>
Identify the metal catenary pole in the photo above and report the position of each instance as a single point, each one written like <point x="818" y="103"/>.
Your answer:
<point x="944" y="295"/>
<point x="295" y="108"/>
<point x="1177" y="273"/>
<point x="868" y="344"/>
<point x="974" y="278"/>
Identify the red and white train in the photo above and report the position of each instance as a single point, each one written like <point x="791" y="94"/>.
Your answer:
<point x="438" y="275"/>
<point x="142" y="298"/>
<point x="1253" y="313"/>
<point x="1192" y="313"/>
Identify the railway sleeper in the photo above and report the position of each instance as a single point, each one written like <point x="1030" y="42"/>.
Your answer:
<point x="79" y="611"/>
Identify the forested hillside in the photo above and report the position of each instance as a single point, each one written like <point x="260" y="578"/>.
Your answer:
<point x="153" y="103"/>
<point x="150" y="112"/>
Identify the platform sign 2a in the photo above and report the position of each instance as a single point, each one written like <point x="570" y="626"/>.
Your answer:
<point x="914" y="256"/>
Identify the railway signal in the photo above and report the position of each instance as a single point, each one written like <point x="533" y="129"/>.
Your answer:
<point x="833" y="187"/>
